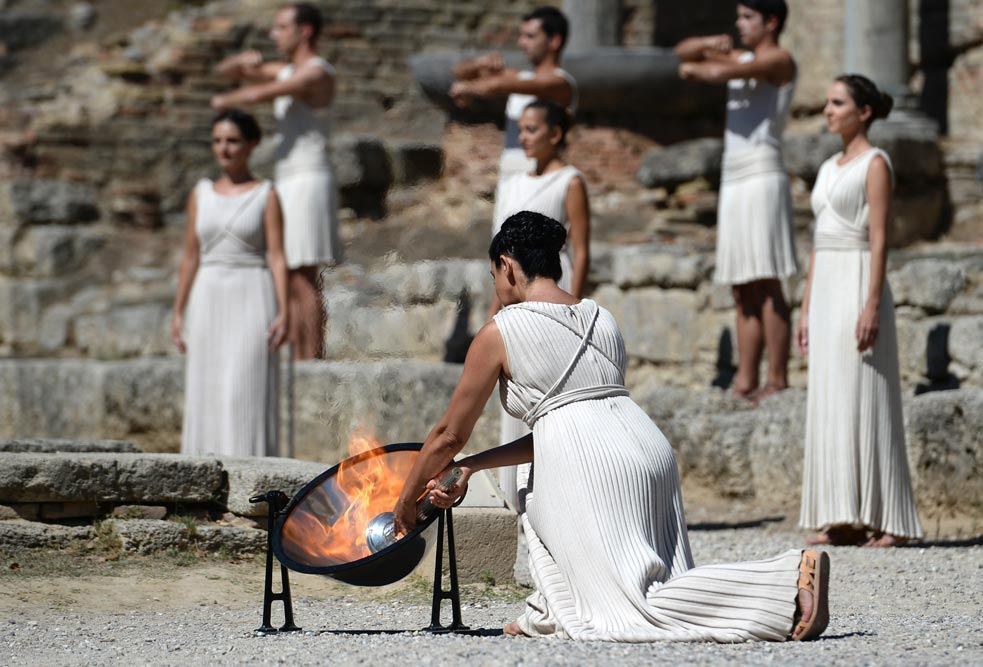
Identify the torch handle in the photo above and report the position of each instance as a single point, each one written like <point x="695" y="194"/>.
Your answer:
<point x="426" y="509"/>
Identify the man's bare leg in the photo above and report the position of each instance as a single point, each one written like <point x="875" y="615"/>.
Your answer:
<point x="307" y="314"/>
<point x="777" y="335"/>
<point x="750" y="338"/>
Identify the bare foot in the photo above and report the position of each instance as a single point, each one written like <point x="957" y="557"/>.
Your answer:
<point x="885" y="541"/>
<point x="513" y="630"/>
<point x="839" y="536"/>
<point x="803" y="612"/>
<point x="766" y="391"/>
<point x="745" y="394"/>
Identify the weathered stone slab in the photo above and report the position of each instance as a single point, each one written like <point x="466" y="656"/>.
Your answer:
<point x="50" y="445"/>
<point x="248" y="477"/>
<point x="32" y="535"/>
<point x="928" y="283"/>
<point x="657" y="325"/>
<point x="946" y="451"/>
<point x="125" y="331"/>
<point x="678" y="163"/>
<point x="233" y="540"/>
<point x="139" y="478"/>
<point x="644" y="266"/>
<point x="147" y="536"/>
<point x="485" y="541"/>
<point x="46" y="201"/>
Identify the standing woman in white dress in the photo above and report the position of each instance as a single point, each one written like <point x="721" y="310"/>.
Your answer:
<point x="608" y="548"/>
<point x="856" y="487"/>
<point x="755" y="234"/>
<point x="234" y="271"/>
<point x="559" y="191"/>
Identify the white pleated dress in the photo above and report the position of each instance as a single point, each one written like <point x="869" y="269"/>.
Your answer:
<point x="546" y="194"/>
<point x="856" y="468"/>
<point x="608" y="547"/>
<point x="755" y="232"/>
<point x="305" y="179"/>
<point x="231" y="383"/>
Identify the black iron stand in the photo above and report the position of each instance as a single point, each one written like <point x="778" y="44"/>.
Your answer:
<point x="445" y="520"/>
<point x="275" y="502"/>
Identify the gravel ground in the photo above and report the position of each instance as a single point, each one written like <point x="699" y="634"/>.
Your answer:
<point x="918" y="605"/>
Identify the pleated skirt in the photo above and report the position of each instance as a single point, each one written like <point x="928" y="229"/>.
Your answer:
<point x="608" y="547"/>
<point x="755" y="232"/>
<point x="310" y="218"/>
<point x="856" y="466"/>
<point x="231" y="379"/>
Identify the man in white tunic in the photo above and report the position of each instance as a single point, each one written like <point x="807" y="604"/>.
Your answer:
<point x="301" y="87"/>
<point x="755" y="236"/>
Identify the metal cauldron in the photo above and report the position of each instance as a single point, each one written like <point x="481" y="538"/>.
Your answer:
<point x="321" y="500"/>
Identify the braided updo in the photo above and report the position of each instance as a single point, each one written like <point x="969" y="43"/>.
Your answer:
<point x="866" y="94"/>
<point x="534" y="241"/>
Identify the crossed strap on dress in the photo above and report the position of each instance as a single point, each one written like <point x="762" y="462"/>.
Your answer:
<point x="255" y="257"/>
<point x="551" y="400"/>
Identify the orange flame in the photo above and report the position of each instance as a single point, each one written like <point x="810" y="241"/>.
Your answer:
<point x="328" y="526"/>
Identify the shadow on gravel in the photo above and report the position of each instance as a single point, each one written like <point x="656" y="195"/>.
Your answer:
<point x="480" y="632"/>
<point x="945" y="544"/>
<point x="735" y="525"/>
<point x="847" y="635"/>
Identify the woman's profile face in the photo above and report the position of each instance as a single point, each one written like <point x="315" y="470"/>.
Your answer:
<point x="231" y="151"/>
<point x="537" y="138"/>
<point x="843" y="116"/>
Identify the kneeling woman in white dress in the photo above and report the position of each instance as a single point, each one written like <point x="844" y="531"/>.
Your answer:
<point x="608" y="548"/>
<point x="233" y="280"/>
<point x="856" y="486"/>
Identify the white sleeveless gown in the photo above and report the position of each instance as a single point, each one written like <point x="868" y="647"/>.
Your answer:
<point x="608" y="547"/>
<point x="231" y="382"/>
<point x="546" y="194"/>
<point x="856" y="468"/>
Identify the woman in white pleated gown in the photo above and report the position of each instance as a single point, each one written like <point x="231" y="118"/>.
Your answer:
<point x="609" y="552"/>
<point x="856" y="487"/>
<point x="232" y="292"/>
<point x="559" y="191"/>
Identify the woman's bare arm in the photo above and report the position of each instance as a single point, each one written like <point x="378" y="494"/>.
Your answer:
<point x="186" y="273"/>
<point x="277" y="261"/>
<point x="578" y="215"/>
<point x="482" y="367"/>
<point x="879" y="190"/>
<point x="249" y="66"/>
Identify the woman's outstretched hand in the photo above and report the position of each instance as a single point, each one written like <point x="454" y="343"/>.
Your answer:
<point x="445" y="499"/>
<point x="405" y="516"/>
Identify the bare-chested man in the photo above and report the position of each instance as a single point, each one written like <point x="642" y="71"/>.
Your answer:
<point x="301" y="88"/>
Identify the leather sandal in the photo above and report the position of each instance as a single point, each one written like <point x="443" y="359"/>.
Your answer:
<point x="813" y="578"/>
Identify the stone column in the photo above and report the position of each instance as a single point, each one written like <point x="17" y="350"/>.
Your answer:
<point x="876" y="45"/>
<point x="593" y="23"/>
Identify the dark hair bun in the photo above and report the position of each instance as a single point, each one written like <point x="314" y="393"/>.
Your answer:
<point x="243" y="120"/>
<point x="529" y="229"/>
<point x="532" y="239"/>
<point x="866" y="94"/>
<point x="884" y="105"/>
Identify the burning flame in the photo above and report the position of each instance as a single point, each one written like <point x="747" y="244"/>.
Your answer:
<point x="328" y="526"/>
